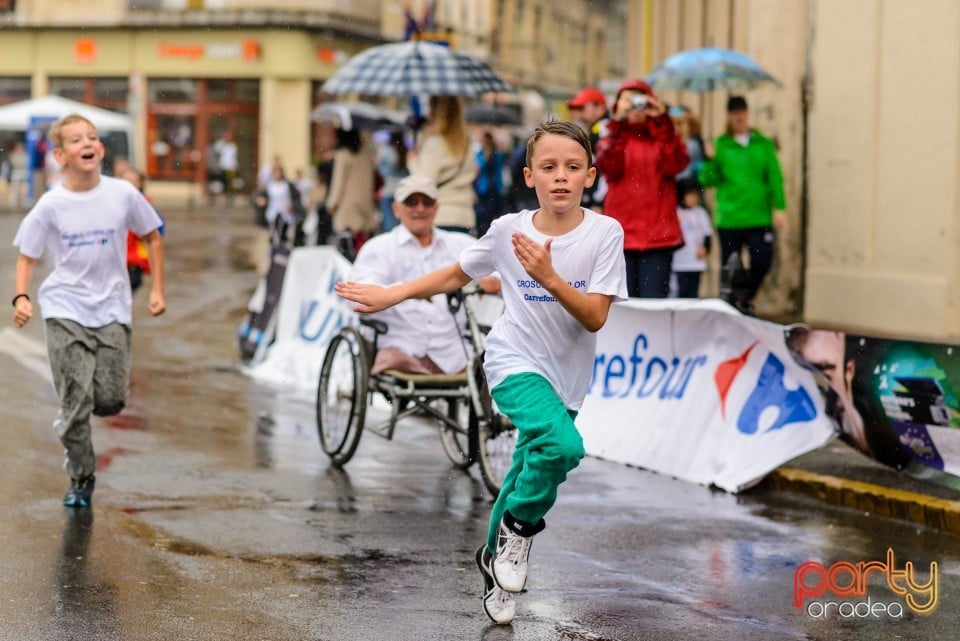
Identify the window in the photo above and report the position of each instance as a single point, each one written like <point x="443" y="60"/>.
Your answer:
<point x="172" y="90"/>
<point x="72" y="88"/>
<point x="107" y="93"/>
<point x="221" y="90"/>
<point x="110" y="90"/>
<point x="13" y="89"/>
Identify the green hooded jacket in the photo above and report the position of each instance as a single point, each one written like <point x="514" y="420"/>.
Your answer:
<point x="748" y="180"/>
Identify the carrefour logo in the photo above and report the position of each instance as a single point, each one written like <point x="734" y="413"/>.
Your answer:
<point x="769" y="395"/>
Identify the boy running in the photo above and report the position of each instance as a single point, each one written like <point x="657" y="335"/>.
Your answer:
<point x="561" y="267"/>
<point x="83" y="221"/>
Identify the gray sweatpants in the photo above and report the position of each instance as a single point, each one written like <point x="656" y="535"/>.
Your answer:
<point x="91" y="371"/>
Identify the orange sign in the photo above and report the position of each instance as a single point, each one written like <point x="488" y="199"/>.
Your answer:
<point x="326" y="55"/>
<point x="251" y="50"/>
<point x="172" y="50"/>
<point x="85" y="51"/>
<point x="247" y="50"/>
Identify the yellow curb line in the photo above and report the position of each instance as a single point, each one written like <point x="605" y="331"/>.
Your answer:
<point x="931" y="511"/>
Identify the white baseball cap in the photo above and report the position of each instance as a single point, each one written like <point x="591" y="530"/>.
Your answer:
<point x="415" y="184"/>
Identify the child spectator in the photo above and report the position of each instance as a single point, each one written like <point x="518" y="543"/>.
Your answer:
<point x="86" y="300"/>
<point x="138" y="264"/>
<point x="690" y="261"/>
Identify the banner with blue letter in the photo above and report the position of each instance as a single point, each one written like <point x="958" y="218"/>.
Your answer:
<point x="698" y="391"/>
<point x="309" y="314"/>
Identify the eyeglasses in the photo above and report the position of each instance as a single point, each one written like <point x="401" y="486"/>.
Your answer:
<point x="414" y="201"/>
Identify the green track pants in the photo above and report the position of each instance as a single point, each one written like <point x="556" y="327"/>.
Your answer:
<point x="548" y="447"/>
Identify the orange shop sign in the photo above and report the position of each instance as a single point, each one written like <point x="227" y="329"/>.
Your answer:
<point x="246" y="50"/>
<point x="85" y="50"/>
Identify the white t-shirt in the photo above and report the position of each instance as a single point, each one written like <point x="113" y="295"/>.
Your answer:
<point x="695" y="225"/>
<point x="228" y="156"/>
<point x="278" y="201"/>
<point x="417" y="327"/>
<point x="86" y="236"/>
<point x="536" y="334"/>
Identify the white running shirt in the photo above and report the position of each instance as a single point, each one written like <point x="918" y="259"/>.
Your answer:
<point x="85" y="234"/>
<point x="536" y="334"/>
<point x="417" y="327"/>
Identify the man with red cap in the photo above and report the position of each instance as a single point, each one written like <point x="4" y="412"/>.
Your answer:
<point x="589" y="108"/>
<point x="639" y="157"/>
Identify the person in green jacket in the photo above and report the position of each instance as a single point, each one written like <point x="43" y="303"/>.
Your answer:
<point x="743" y="167"/>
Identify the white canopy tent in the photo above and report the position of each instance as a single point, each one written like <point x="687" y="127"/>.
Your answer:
<point x="110" y="124"/>
<point x="16" y="116"/>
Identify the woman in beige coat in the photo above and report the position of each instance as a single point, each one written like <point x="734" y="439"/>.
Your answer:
<point x="350" y="198"/>
<point x="445" y="157"/>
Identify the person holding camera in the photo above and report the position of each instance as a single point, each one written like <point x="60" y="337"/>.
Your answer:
<point x="639" y="157"/>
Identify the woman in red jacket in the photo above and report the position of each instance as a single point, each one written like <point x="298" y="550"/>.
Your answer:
<point x="639" y="157"/>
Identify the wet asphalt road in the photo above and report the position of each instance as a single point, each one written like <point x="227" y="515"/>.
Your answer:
<point x="217" y="516"/>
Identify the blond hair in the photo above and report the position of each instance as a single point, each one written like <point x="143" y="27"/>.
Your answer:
<point x="55" y="130"/>
<point x="448" y="121"/>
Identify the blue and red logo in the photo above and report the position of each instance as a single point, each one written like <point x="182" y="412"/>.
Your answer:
<point x="792" y="406"/>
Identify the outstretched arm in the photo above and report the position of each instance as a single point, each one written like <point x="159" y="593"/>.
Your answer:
<point x="590" y="310"/>
<point x="374" y="298"/>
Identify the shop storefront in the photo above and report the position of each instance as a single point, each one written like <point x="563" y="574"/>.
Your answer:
<point x="188" y="91"/>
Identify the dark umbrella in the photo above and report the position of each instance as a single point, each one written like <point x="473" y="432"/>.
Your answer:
<point x="413" y="69"/>
<point x="484" y="114"/>
<point x="358" y="115"/>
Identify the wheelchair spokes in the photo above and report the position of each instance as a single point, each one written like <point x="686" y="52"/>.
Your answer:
<point x="455" y="431"/>
<point x="342" y="396"/>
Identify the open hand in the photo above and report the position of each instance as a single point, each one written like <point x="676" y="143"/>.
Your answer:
<point x="655" y="106"/>
<point x="369" y="298"/>
<point x="534" y="258"/>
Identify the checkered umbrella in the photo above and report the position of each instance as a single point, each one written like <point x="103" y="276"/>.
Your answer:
<point x="414" y="68"/>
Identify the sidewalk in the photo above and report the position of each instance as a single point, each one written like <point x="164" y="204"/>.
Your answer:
<point x="839" y="475"/>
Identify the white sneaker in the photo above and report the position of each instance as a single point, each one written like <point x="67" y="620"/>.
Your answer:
<point x="509" y="567"/>
<point x="499" y="604"/>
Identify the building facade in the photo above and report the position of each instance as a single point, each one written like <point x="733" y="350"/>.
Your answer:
<point x="867" y="157"/>
<point x="188" y="77"/>
<point x="884" y="256"/>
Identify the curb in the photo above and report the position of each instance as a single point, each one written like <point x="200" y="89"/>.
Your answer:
<point x="941" y="514"/>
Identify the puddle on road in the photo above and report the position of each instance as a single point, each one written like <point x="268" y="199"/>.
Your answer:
<point x="138" y="528"/>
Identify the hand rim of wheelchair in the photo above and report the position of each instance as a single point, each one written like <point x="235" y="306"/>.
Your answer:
<point x="340" y="448"/>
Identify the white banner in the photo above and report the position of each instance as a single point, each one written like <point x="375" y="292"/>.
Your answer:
<point x="695" y="390"/>
<point x="309" y="314"/>
<point x="692" y="389"/>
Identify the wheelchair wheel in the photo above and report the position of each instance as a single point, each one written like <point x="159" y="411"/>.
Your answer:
<point x="456" y="440"/>
<point x="342" y="396"/>
<point x="494" y="437"/>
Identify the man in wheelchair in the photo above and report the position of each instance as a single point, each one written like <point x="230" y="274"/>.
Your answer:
<point x="423" y="337"/>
